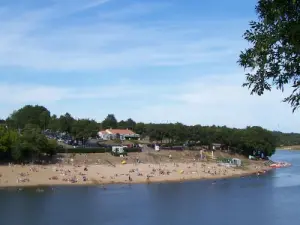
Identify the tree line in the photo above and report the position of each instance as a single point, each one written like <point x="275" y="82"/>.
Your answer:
<point x="29" y="144"/>
<point x="287" y="139"/>
<point x="273" y="59"/>
<point x="21" y="133"/>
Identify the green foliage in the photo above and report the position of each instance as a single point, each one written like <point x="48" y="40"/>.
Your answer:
<point x="84" y="128"/>
<point x="274" y="55"/>
<point x="80" y="129"/>
<point x="140" y="128"/>
<point x="84" y="150"/>
<point x="257" y="138"/>
<point x="286" y="139"/>
<point x="242" y="141"/>
<point x="30" y="143"/>
<point x="66" y="123"/>
<point x="54" y="123"/>
<point x="51" y="148"/>
<point x="36" y="115"/>
<point x="7" y="138"/>
<point x="110" y="122"/>
<point x="128" y="124"/>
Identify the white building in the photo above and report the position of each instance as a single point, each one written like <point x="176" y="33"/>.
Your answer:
<point x="124" y="134"/>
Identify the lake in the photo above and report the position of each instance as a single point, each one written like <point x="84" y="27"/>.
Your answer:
<point x="270" y="199"/>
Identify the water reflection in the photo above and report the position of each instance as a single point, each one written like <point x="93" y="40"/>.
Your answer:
<point x="269" y="199"/>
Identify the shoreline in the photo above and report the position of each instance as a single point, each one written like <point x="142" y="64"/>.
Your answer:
<point x="102" y="175"/>
<point x="103" y="185"/>
<point x="289" y="148"/>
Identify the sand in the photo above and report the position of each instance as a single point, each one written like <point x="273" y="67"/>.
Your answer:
<point x="83" y="174"/>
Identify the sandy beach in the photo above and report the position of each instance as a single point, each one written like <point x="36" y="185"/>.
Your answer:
<point x="76" y="171"/>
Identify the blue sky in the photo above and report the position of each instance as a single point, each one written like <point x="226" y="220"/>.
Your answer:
<point x="153" y="61"/>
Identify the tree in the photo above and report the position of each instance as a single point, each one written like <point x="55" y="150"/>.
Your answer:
<point x="44" y="119"/>
<point x="84" y="128"/>
<point x="274" y="57"/>
<point x="110" y="122"/>
<point x="130" y="124"/>
<point x="140" y="128"/>
<point x="66" y="122"/>
<point x="256" y="138"/>
<point x="122" y="124"/>
<point x="37" y="115"/>
<point x="4" y="139"/>
<point x="32" y="143"/>
<point x="51" y="147"/>
<point x="286" y="139"/>
<point x="8" y="138"/>
<point x="54" y="123"/>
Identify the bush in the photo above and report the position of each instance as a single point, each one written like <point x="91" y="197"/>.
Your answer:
<point x="133" y="149"/>
<point x="176" y="148"/>
<point x="195" y="144"/>
<point x="84" y="150"/>
<point x="172" y="145"/>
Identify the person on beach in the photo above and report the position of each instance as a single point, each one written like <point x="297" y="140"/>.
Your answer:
<point x="201" y="154"/>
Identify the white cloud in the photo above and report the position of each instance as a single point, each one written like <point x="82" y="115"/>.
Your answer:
<point x="208" y="100"/>
<point x="41" y="94"/>
<point x="133" y="10"/>
<point x="221" y="100"/>
<point x="49" y="39"/>
<point x="93" y="4"/>
<point x="31" y="41"/>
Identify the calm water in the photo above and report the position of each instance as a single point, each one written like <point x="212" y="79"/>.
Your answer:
<point x="271" y="199"/>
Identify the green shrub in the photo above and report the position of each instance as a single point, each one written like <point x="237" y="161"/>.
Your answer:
<point x="133" y="149"/>
<point x="84" y="150"/>
<point x="175" y="144"/>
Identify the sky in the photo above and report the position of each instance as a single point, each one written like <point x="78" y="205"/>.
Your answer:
<point x="155" y="61"/>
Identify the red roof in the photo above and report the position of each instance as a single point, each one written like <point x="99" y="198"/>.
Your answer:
<point x="121" y="131"/>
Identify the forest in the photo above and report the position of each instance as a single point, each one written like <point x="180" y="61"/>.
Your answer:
<point x="21" y="133"/>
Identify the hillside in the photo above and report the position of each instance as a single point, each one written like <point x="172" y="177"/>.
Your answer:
<point x="287" y="139"/>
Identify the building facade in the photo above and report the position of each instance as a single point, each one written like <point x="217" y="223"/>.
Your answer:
<point x="122" y="134"/>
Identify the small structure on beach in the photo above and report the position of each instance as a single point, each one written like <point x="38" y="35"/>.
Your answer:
<point x="236" y="161"/>
<point x="156" y="147"/>
<point x="216" y="146"/>
<point x="118" y="151"/>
